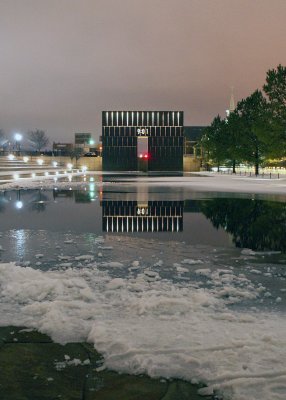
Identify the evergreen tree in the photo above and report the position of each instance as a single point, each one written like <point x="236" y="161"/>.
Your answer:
<point x="275" y="89"/>
<point x="214" y="143"/>
<point x="235" y="139"/>
<point x="254" y="117"/>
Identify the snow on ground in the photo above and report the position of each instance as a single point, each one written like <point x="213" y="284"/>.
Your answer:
<point x="143" y="323"/>
<point x="50" y="181"/>
<point x="203" y="181"/>
<point x="214" y="182"/>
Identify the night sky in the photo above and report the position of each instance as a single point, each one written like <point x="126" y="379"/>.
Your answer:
<point x="64" y="61"/>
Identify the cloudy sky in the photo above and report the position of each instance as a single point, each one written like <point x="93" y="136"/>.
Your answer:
<point x="64" y="61"/>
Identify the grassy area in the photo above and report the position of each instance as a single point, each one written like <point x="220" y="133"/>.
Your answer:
<point x="32" y="367"/>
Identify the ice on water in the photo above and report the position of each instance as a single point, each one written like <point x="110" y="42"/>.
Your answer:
<point x="192" y="313"/>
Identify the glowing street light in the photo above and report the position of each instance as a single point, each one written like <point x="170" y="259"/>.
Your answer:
<point x="18" y="137"/>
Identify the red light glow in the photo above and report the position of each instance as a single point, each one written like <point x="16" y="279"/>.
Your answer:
<point x="144" y="155"/>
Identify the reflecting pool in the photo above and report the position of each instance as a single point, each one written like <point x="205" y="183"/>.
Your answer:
<point x="172" y="283"/>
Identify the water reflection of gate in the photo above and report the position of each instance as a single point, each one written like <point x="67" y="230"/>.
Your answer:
<point x="133" y="216"/>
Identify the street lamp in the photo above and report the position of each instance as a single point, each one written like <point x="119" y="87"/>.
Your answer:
<point x="18" y="137"/>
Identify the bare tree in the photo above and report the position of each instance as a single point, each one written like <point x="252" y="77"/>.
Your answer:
<point x="76" y="153"/>
<point x="38" y="139"/>
<point x="2" y="137"/>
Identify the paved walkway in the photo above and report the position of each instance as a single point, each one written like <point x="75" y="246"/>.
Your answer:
<point x="32" y="367"/>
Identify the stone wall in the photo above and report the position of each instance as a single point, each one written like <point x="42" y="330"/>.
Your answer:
<point x="191" y="164"/>
<point x="92" y="163"/>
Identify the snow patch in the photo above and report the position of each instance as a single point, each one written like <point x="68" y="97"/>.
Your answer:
<point x="191" y="262"/>
<point x="112" y="264"/>
<point x="155" y="326"/>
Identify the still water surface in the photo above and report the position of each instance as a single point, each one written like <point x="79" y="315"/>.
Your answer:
<point x="40" y="220"/>
<point x="49" y="227"/>
<point x="126" y="265"/>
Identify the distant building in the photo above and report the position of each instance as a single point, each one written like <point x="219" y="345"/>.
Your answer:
<point x="62" y="148"/>
<point x="86" y="142"/>
<point x="83" y="140"/>
<point x="142" y="140"/>
<point x="192" y="135"/>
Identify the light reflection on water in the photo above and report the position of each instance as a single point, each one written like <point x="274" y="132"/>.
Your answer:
<point x="20" y="238"/>
<point x="198" y="219"/>
<point x="156" y="226"/>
